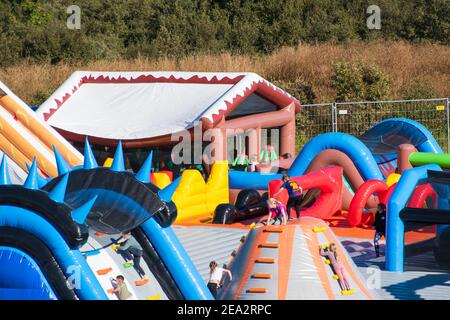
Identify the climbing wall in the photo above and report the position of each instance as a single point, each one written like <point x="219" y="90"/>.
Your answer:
<point x="107" y="263"/>
<point x="283" y="262"/>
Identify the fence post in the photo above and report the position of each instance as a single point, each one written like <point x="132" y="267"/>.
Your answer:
<point x="448" y="125"/>
<point x="334" y="117"/>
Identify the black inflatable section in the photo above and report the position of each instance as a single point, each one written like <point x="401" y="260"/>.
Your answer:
<point x="35" y="248"/>
<point x="249" y="204"/>
<point x="425" y="216"/>
<point x="157" y="266"/>
<point x="247" y="197"/>
<point x="224" y="213"/>
<point x="123" y="203"/>
<point x="59" y="215"/>
<point x="441" y="248"/>
<point x="167" y="215"/>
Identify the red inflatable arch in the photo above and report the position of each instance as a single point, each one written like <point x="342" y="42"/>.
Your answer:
<point x="367" y="189"/>
<point x="421" y="194"/>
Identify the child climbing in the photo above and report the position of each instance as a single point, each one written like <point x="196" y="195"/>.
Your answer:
<point x="380" y="227"/>
<point x="131" y="251"/>
<point x="215" y="277"/>
<point x="295" y="195"/>
<point x="120" y="288"/>
<point x="277" y="212"/>
<point x="331" y="254"/>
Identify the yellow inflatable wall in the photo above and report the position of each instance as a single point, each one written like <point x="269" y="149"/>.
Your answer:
<point x="195" y="198"/>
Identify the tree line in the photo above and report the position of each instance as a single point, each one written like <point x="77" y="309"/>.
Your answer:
<point x="37" y="30"/>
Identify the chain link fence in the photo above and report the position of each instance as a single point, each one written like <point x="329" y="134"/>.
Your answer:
<point x="357" y="117"/>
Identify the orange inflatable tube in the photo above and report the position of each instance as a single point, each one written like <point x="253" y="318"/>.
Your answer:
<point x="24" y="136"/>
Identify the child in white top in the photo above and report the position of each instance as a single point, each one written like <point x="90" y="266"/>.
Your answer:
<point x="215" y="277"/>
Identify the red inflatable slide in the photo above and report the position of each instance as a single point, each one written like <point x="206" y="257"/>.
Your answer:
<point x="328" y="180"/>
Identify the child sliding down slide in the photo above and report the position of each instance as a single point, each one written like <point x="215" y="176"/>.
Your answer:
<point x="330" y="253"/>
<point x="277" y="212"/>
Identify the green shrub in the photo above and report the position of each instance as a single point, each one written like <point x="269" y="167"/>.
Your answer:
<point x="376" y="84"/>
<point x="359" y="81"/>
<point x="347" y="80"/>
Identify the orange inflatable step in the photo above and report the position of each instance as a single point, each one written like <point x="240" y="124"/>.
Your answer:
<point x="265" y="260"/>
<point x="269" y="245"/>
<point x="99" y="234"/>
<point x="102" y="272"/>
<point x="257" y="290"/>
<point x="142" y="282"/>
<point x="273" y="229"/>
<point x="261" y="276"/>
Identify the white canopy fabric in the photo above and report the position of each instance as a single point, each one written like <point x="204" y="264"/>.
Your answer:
<point x="139" y="105"/>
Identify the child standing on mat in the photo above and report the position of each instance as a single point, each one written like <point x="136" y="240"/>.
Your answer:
<point x="215" y="277"/>
<point x="277" y="212"/>
<point x="295" y="195"/>
<point x="331" y="254"/>
<point x="380" y="227"/>
<point x="132" y="252"/>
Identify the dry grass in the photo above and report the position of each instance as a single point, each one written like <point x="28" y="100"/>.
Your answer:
<point x="402" y="62"/>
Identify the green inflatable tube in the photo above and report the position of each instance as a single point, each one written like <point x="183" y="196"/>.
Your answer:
<point x="422" y="158"/>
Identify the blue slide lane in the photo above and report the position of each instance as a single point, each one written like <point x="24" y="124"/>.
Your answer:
<point x="429" y="145"/>
<point x="68" y="259"/>
<point x="21" y="277"/>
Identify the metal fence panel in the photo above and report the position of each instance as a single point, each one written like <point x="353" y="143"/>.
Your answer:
<point x="357" y="117"/>
<point x="314" y="119"/>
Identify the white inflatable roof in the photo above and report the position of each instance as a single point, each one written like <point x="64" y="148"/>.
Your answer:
<point x="139" y="105"/>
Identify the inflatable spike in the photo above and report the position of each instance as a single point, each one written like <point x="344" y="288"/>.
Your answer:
<point x="4" y="173"/>
<point x="118" y="162"/>
<point x="89" y="159"/>
<point x="41" y="181"/>
<point x="61" y="163"/>
<point x="80" y="214"/>
<point x="58" y="192"/>
<point x="32" y="180"/>
<point x="144" y="172"/>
